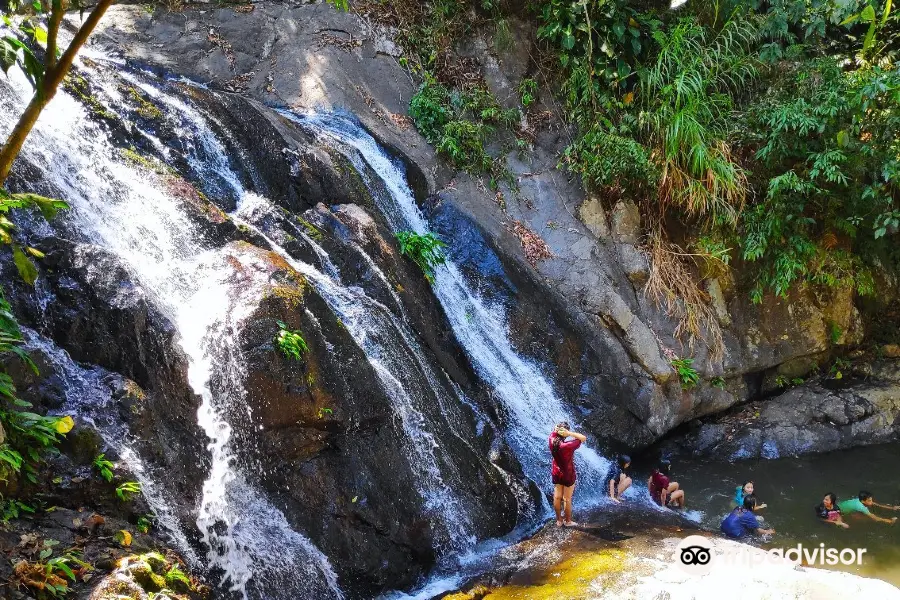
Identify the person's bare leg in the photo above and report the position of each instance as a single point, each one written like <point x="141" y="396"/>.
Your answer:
<point x="567" y="497"/>
<point x="677" y="497"/>
<point x="673" y="486"/>
<point x="557" y="503"/>
<point x="624" y="484"/>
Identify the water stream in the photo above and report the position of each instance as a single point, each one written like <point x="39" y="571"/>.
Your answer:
<point x="247" y="541"/>
<point x="115" y="206"/>
<point x="481" y="328"/>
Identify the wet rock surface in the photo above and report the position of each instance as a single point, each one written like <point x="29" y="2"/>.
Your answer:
<point x="629" y="553"/>
<point x="598" y="267"/>
<point x="820" y="416"/>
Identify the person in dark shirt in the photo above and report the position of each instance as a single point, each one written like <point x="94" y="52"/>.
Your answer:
<point x="618" y="479"/>
<point x="829" y="511"/>
<point x="563" y="469"/>
<point x="741" y="521"/>
<point x="663" y="491"/>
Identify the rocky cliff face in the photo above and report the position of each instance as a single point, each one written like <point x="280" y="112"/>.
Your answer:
<point x="385" y="469"/>
<point x="609" y="344"/>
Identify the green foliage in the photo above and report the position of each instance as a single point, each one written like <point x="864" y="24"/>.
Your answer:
<point x="668" y="113"/>
<point x="291" y="343"/>
<point x="718" y="382"/>
<point x="15" y="46"/>
<point x="838" y="367"/>
<point x="29" y="436"/>
<point x="463" y="143"/>
<point x="324" y="411"/>
<point x="459" y="123"/>
<point x="828" y="146"/>
<point x="145" y="523"/>
<point x="343" y="5"/>
<point x="50" y="576"/>
<point x="426" y="250"/>
<point x="10" y="508"/>
<point x="175" y="576"/>
<point x="104" y="467"/>
<point x="127" y="489"/>
<point x="430" y="110"/>
<point x="528" y="90"/>
<point x="834" y="332"/>
<point x="22" y="257"/>
<point x="686" y="372"/>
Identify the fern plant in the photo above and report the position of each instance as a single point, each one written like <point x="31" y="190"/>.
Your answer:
<point x="290" y="342"/>
<point x="426" y="250"/>
<point x="104" y="467"/>
<point x="686" y="372"/>
<point x="127" y="489"/>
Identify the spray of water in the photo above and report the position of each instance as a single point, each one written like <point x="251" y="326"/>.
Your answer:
<point x="526" y="394"/>
<point x="118" y="207"/>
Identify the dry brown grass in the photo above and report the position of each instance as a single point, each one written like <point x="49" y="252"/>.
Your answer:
<point x="673" y="286"/>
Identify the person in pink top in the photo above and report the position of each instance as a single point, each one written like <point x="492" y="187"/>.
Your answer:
<point x="563" y="469"/>
<point x="663" y="491"/>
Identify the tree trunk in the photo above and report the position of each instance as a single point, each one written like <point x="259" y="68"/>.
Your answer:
<point x="42" y="96"/>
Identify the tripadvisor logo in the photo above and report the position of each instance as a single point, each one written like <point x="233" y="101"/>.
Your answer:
<point x="695" y="554"/>
<point x="698" y="555"/>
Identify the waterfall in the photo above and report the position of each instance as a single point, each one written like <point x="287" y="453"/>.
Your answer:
<point x="115" y="206"/>
<point x="527" y="395"/>
<point x="87" y="396"/>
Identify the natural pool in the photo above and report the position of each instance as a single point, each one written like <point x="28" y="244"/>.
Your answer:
<point x="793" y="486"/>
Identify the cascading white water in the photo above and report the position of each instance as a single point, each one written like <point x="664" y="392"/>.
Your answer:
<point x="400" y="369"/>
<point x="87" y="396"/>
<point x="481" y="329"/>
<point x="119" y="208"/>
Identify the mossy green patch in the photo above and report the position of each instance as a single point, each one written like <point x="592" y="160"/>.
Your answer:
<point x="311" y="230"/>
<point x="79" y="87"/>
<point x="144" y="107"/>
<point x="134" y="157"/>
<point x="291" y="294"/>
<point x="571" y="579"/>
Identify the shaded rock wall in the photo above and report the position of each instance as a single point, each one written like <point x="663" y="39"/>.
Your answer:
<point x="821" y="416"/>
<point x="598" y="268"/>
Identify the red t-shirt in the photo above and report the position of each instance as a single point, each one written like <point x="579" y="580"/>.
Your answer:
<point x="658" y="483"/>
<point x="563" y="471"/>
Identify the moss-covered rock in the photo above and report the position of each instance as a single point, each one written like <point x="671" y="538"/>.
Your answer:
<point x="142" y="573"/>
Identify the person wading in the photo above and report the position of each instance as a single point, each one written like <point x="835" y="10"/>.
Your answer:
<point x="563" y="471"/>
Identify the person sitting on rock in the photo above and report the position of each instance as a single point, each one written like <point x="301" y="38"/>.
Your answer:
<point x="563" y="469"/>
<point x="663" y="491"/>
<point x="741" y="521"/>
<point x="862" y="503"/>
<point x="618" y="479"/>
<point x="829" y="511"/>
<point x="745" y="490"/>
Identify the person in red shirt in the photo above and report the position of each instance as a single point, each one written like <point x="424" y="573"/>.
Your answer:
<point x="563" y="469"/>
<point x="663" y="491"/>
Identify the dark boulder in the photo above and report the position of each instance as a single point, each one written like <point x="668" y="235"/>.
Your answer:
<point x="808" y="419"/>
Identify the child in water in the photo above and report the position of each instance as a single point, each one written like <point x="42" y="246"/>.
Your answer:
<point x="830" y="512"/>
<point x="743" y="491"/>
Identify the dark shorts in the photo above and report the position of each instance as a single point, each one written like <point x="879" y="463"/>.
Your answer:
<point x="563" y="481"/>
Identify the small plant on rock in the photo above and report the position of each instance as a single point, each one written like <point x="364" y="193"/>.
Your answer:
<point x="290" y="342"/>
<point x="686" y="373"/>
<point x="426" y="250"/>
<point x="528" y="89"/>
<point x="50" y="576"/>
<point x="126" y="490"/>
<point x="104" y="467"/>
<point x="718" y="382"/>
<point x="145" y="523"/>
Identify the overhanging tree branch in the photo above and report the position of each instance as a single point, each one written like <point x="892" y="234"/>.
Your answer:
<point x="53" y="76"/>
